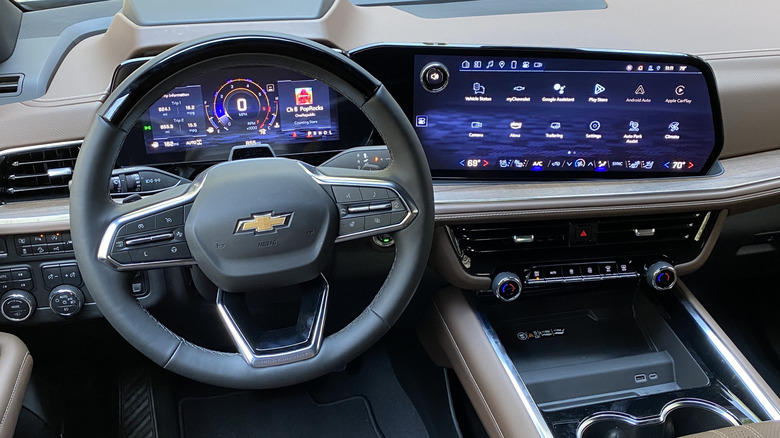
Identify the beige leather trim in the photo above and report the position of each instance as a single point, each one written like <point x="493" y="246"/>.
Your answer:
<point x="15" y="368"/>
<point x="765" y="429"/>
<point x="451" y="324"/>
<point x="698" y="262"/>
<point x="738" y="362"/>
<point x="34" y="216"/>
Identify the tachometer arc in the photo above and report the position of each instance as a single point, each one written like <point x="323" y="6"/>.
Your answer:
<point x="241" y="101"/>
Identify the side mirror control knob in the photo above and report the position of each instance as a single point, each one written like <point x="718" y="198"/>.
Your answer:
<point x="507" y="286"/>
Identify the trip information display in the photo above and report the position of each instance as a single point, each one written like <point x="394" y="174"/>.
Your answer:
<point x="541" y="117"/>
<point x="238" y="107"/>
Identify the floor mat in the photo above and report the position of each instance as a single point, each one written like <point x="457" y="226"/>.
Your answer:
<point x="281" y="413"/>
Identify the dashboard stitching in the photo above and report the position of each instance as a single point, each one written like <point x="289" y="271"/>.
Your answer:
<point x="715" y="203"/>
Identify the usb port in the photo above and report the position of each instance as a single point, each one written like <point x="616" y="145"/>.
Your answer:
<point x="640" y="378"/>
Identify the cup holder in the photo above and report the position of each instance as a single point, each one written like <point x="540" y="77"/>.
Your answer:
<point x="677" y="418"/>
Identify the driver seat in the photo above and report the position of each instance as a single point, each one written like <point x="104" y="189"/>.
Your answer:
<point x="15" y="368"/>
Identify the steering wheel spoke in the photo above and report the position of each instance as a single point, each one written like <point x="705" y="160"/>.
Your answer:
<point x="292" y="342"/>
<point x="367" y="206"/>
<point x="149" y="234"/>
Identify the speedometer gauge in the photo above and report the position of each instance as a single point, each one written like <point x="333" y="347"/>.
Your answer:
<point x="243" y="105"/>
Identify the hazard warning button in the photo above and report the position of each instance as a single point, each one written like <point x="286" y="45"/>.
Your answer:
<point x="583" y="233"/>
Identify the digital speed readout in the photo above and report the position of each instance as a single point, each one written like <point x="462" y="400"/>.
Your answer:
<point x="239" y="107"/>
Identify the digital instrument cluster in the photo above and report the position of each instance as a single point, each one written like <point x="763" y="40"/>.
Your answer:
<point x="237" y="107"/>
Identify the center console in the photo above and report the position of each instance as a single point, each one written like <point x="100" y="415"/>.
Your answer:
<point x="588" y="336"/>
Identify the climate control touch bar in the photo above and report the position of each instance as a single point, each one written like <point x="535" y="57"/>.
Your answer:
<point x="580" y="272"/>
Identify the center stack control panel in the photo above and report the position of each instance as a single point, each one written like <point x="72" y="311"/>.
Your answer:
<point x="41" y="282"/>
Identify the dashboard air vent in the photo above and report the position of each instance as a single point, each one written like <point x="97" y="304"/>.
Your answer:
<point x="676" y="236"/>
<point x="38" y="172"/>
<point x="10" y="85"/>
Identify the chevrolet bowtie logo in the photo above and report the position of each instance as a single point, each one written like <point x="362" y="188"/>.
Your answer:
<point x="261" y="223"/>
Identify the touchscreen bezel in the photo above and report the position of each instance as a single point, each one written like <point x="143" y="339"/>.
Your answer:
<point x="399" y="76"/>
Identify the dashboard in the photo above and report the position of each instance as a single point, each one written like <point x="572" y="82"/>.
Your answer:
<point x="480" y="113"/>
<point x="727" y="121"/>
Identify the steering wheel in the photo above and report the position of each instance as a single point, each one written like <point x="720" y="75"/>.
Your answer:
<point x="252" y="225"/>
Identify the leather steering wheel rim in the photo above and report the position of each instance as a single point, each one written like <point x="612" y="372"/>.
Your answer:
<point x="92" y="209"/>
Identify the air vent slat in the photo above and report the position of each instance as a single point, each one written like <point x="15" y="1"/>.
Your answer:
<point x="10" y="84"/>
<point x="38" y="172"/>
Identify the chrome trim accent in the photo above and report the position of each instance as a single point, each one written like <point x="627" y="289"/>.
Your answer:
<point x="32" y="305"/>
<point x="661" y="417"/>
<point x="703" y="225"/>
<point x="665" y="266"/>
<point x="692" y="305"/>
<point x="507" y="277"/>
<point x="38" y="147"/>
<point x="62" y="171"/>
<point x="104" y="249"/>
<point x="411" y="208"/>
<point x="514" y="377"/>
<point x="523" y="239"/>
<point x="438" y="65"/>
<point x="647" y="232"/>
<point x="296" y="352"/>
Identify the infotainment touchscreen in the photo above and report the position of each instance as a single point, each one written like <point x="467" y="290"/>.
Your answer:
<point x="535" y="116"/>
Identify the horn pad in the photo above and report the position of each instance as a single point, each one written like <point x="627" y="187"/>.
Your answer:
<point x="261" y="223"/>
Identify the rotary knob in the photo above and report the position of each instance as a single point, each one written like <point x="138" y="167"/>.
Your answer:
<point x="66" y="300"/>
<point x="507" y="286"/>
<point x="17" y="305"/>
<point x="661" y="276"/>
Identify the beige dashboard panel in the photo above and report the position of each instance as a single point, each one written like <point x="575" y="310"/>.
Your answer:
<point x="740" y="40"/>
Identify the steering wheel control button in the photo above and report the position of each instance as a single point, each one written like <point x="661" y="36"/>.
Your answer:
<point x="144" y="255"/>
<point x="174" y="251"/>
<point x="373" y="193"/>
<point x="52" y="276"/>
<point x="122" y="257"/>
<point x="170" y="218"/>
<point x="397" y="217"/>
<point x="66" y="300"/>
<point x="17" y="305"/>
<point x="141" y="225"/>
<point x="381" y="206"/>
<point x="377" y="221"/>
<point x="661" y="276"/>
<point x="346" y="194"/>
<point x="358" y="209"/>
<point x="352" y="225"/>
<point x="507" y="286"/>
